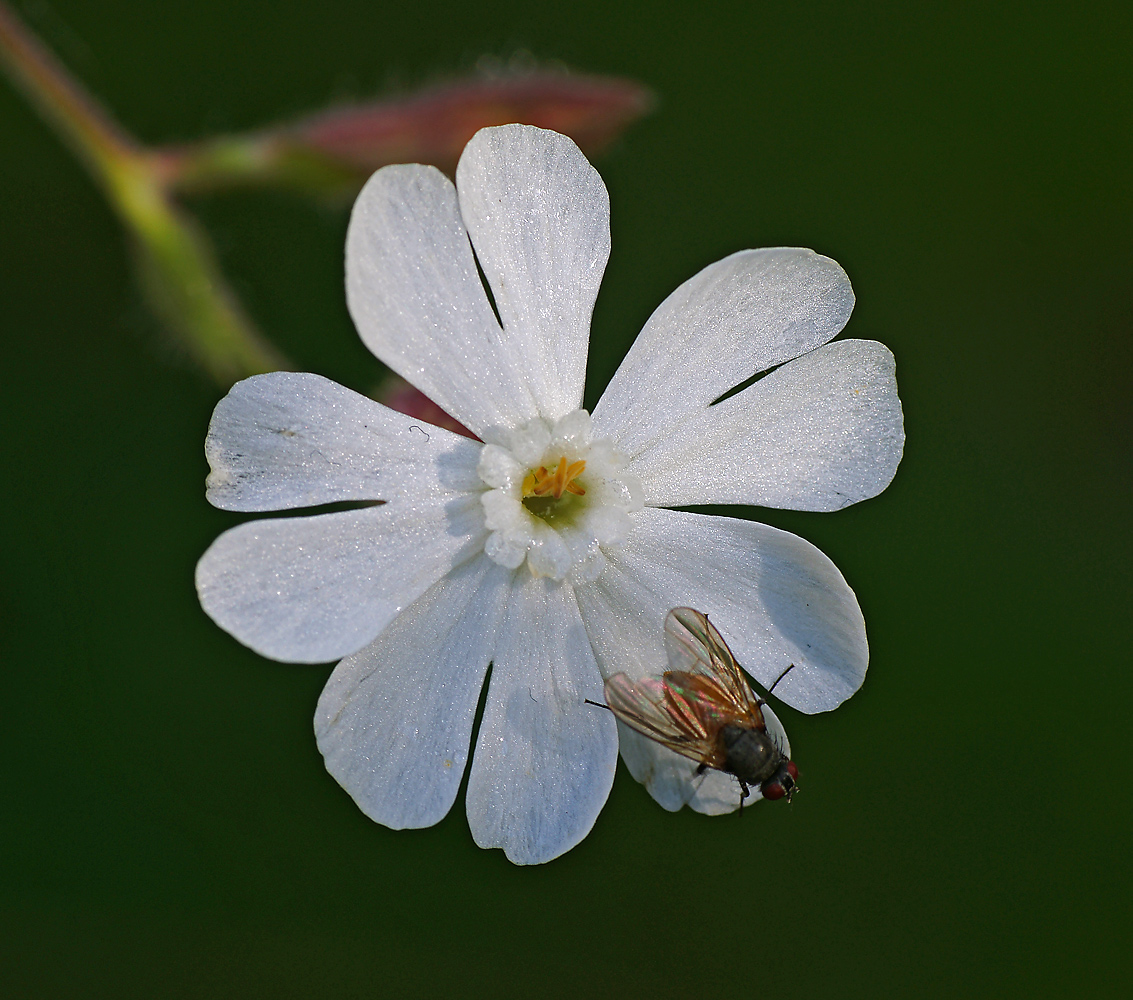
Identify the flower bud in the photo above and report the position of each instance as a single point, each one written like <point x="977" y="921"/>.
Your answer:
<point x="333" y="152"/>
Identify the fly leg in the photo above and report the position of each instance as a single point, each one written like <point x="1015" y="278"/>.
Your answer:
<point x="780" y="677"/>
<point x="701" y="770"/>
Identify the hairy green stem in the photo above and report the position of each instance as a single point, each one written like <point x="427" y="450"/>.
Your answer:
<point x="176" y="264"/>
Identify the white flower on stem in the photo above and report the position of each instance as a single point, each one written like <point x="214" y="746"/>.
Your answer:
<point x="545" y="549"/>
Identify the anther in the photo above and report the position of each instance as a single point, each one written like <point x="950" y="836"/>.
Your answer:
<point x="541" y="482"/>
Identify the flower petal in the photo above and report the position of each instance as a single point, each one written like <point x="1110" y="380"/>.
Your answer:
<point x="417" y="301"/>
<point x="539" y="218"/>
<point x="291" y="439"/>
<point x="313" y="589"/>
<point x="394" y="721"/>
<point x="776" y="731"/>
<point x="544" y="760"/>
<point x="716" y="793"/>
<point x="739" y="316"/>
<point x="774" y="597"/>
<point x="820" y="433"/>
<point x="670" y="778"/>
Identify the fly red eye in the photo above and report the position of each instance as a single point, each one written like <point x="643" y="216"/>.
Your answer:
<point x="773" y="790"/>
<point x="792" y="770"/>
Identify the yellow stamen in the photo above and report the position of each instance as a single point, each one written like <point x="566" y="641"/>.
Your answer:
<point x="541" y="483"/>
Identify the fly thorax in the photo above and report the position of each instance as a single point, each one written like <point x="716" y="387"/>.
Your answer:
<point x="556" y="498"/>
<point x="749" y="753"/>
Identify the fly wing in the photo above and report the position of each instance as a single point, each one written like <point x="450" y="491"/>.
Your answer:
<point x="651" y="707"/>
<point x="705" y="699"/>
<point x="695" y="647"/>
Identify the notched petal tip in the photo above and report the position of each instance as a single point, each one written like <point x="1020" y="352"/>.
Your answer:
<point x="538" y="216"/>
<point x="219" y="482"/>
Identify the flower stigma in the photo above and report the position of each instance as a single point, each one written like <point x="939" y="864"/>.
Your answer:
<point x="556" y="497"/>
<point x="550" y="495"/>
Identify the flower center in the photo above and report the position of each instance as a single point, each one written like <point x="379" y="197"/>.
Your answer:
<point x="539" y="510"/>
<point x="551" y="495"/>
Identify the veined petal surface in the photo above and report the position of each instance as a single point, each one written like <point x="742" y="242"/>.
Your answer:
<point x="313" y="589"/>
<point x="418" y="303"/>
<point x="539" y="218"/>
<point x="737" y="317"/>
<point x="544" y="760"/>
<point x="774" y="597"/>
<point x="292" y="439"/>
<point x="820" y="433"/>
<point x="394" y="722"/>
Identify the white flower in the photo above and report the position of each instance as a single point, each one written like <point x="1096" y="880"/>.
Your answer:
<point x="544" y="549"/>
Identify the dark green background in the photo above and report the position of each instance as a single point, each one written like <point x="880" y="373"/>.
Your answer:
<point x="963" y="827"/>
